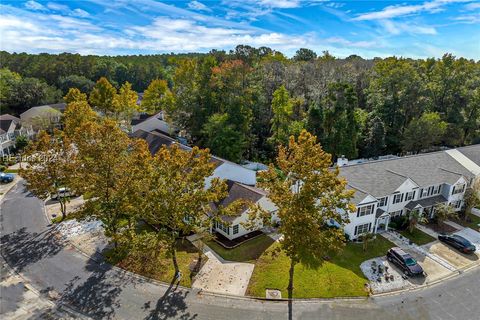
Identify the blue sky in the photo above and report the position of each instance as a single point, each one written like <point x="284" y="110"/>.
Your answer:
<point x="367" y="28"/>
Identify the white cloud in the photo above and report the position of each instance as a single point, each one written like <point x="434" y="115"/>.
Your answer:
<point x="468" y="18"/>
<point x="196" y="5"/>
<point x="80" y="13"/>
<point x="356" y="44"/>
<point x="404" y="10"/>
<point x="396" y="28"/>
<point x="33" y="5"/>
<point x="472" y="6"/>
<point x="279" y="3"/>
<point x="58" y="7"/>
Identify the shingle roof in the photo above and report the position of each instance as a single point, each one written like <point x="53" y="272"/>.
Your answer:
<point x="238" y="191"/>
<point x="427" y="202"/>
<point x="7" y="116"/>
<point x="156" y="140"/>
<point x="471" y="152"/>
<point x="381" y="178"/>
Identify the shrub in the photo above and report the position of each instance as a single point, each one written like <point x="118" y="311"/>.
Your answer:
<point x="399" y="223"/>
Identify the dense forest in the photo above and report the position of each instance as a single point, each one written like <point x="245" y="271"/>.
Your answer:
<point x="243" y="103"/>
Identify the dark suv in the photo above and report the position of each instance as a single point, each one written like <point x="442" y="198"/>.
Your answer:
<point x="405" y="262"/>
<point x="459" y="243"/>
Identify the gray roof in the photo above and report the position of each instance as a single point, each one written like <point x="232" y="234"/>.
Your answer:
<point x="7" y="116"/>
<point x="155" y="140"/>
<point x="379" y="213"/>
<point x="238" y="191"/>
<point x="472" y="153"/>
<point x="381" y="178"/>
<point x="5" y="125"/>
<point x="427" y="202"/>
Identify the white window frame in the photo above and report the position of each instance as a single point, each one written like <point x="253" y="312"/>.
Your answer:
<point x="382" y="202"/>
<point x="458" y="188"/>
<point x="363" y="228"/>
<point x="396" y="213"/>
<point x="456" y="204"/>
<point x="397" y="198"/>
<point x="235" y="229"/>
<point x="365" y="210"/>
<point x="409" y="195"/>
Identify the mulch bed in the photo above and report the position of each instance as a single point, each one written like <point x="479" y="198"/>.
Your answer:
<point x="441" y="228"/>
<point x="227" y="243"/>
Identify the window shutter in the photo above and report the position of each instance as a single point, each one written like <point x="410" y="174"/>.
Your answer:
<point x="358" y="213"/>
<point x="369" y="227"/>
<point x="356" y="228"/>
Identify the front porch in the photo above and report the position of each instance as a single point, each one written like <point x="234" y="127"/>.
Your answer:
<point x="426" y="207"/>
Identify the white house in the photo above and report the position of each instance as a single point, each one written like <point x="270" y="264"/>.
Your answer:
<point x="10" y="128"/>
<point x="390" y="188"/>
<point x="236" y="226"/>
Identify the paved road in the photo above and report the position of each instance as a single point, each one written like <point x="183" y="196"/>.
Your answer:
<point x="57" y="270"/>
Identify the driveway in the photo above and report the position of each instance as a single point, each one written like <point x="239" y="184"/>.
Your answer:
<point x="453" y="256"/>
<point x="221" y="276"/>
<point x="105" y="292"/>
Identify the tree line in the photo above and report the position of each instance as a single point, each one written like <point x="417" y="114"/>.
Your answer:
<point x="243" y="103"/>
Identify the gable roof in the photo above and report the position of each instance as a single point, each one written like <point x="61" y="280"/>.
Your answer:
<point x="238" y="191"/>
<point x="5" y="125"/>
<point x="381" y="178"/>
<point x="7" y="116"/>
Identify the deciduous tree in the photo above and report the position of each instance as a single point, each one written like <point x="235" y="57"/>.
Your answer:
<point x="424" y="132"/>
<point x="103" y="97"/>
<point x="51" y="164"/>
<point x="158" y="97"/>
<point x="177" y="199"/>
<point x="307" y="193"/>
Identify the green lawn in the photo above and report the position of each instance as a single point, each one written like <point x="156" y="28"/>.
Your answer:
<point x="248" y="251"/>
<point x="341" y="277"/>
<point x="417" y="236"/>
<point x="161" y="269"/>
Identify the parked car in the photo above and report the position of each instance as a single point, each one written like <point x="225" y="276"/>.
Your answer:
<point x="458" y="242"/>
<point x="6" y="177"/>
<point x="62" y="193"/>
<point x="405" y="262"/>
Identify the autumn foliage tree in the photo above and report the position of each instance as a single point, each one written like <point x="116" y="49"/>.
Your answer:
<point x="103" y="97"/>
<point x="111" y="171"/>
<point x="158" y="97"/>
<point x="307" y="193"/>
<point x="51" y="164"/>
<point x="178" y="199"/>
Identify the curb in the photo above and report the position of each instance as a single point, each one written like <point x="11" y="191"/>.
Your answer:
<point x="250" y="298"/>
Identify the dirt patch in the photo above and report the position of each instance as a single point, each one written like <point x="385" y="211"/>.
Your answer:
<point x="227" y="278"/>
<point x="441" y="227"/>
<point x="455" y="258"/>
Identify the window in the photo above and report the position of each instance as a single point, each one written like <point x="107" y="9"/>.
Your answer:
<point x="409" y="195"/>
<point x="396" y="213"/>
<point x="365" y="210"/>
<point x="223" y="227"/>
<point x="458" y="188"/>
<point x="363" y="228"/>
<point x="397" y="198"/>
<point x="423" y="193"/>
<point x="383" y="201"/>
<point x="456" y="204"/>
<point x="235" y="229"/>
<point x="437" y="189"/>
